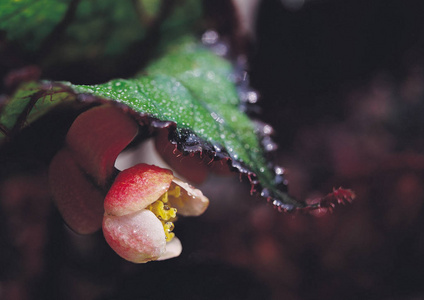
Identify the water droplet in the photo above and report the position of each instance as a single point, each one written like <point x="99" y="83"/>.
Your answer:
<point x="210" y="37"/>
<point x="282" y="205"/>
<point x="269" y="144"/>
<point x="263" y="128"/>
<point x="267" y="129"/>
<point x="217" y="118"/>
<point x="265" y="193"/>
<point x="279" y="170"/>
<point x="252" y="97"/>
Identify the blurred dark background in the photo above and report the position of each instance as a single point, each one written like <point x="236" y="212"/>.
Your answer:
<point x="342" y="84"/>
<point x="308" y="55"/>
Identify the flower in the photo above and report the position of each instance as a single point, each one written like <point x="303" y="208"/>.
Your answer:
<point x="141" y="208"/>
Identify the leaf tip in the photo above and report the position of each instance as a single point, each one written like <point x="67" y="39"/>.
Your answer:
<point x="329" y="202"/>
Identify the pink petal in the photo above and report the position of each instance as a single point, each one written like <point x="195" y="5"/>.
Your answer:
<point x="78" y="200"/>
<point x="97" y="136"/>
<point x="137" y="237"/>
<point x="135" y="188"/>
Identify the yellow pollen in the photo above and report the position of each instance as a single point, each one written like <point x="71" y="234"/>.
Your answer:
<point x="175" y="192"/>
<point x="166" y="213"/>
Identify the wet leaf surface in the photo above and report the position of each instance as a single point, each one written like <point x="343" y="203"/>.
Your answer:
<point x="190" y="91"/>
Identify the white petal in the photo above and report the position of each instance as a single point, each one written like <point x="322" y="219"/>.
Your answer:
<point x="173" y="249"/>
<point x="192" y="202"/>
<point x="138" y="237"/>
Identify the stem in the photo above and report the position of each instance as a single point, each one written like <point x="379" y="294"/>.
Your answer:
<point x="55" y="35"/>
<point x="133" y="61"/>
<point x="24" y="115"/>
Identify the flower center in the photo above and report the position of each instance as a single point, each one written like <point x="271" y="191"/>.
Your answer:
<point x="165" y="212"/>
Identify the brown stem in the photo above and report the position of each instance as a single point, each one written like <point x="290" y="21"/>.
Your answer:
<point x="20" y="122"/>
<point x="4" y="130"/>
<point x="132" y="60"/>
<point x="143" y="18"/>
<point x="55" y="35"/>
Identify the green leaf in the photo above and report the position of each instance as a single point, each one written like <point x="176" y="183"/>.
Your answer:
<point x="189" y="86"/>
<point x="91" y="29"/>
<point x="30" y="102"/>
<point x="30" y="21"/>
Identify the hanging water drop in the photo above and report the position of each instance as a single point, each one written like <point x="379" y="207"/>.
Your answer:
<point x="210" y="37"/>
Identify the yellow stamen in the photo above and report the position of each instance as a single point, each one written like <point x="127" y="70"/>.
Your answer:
<point x="166" y="213"/>
<point x="175" y="192"/>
